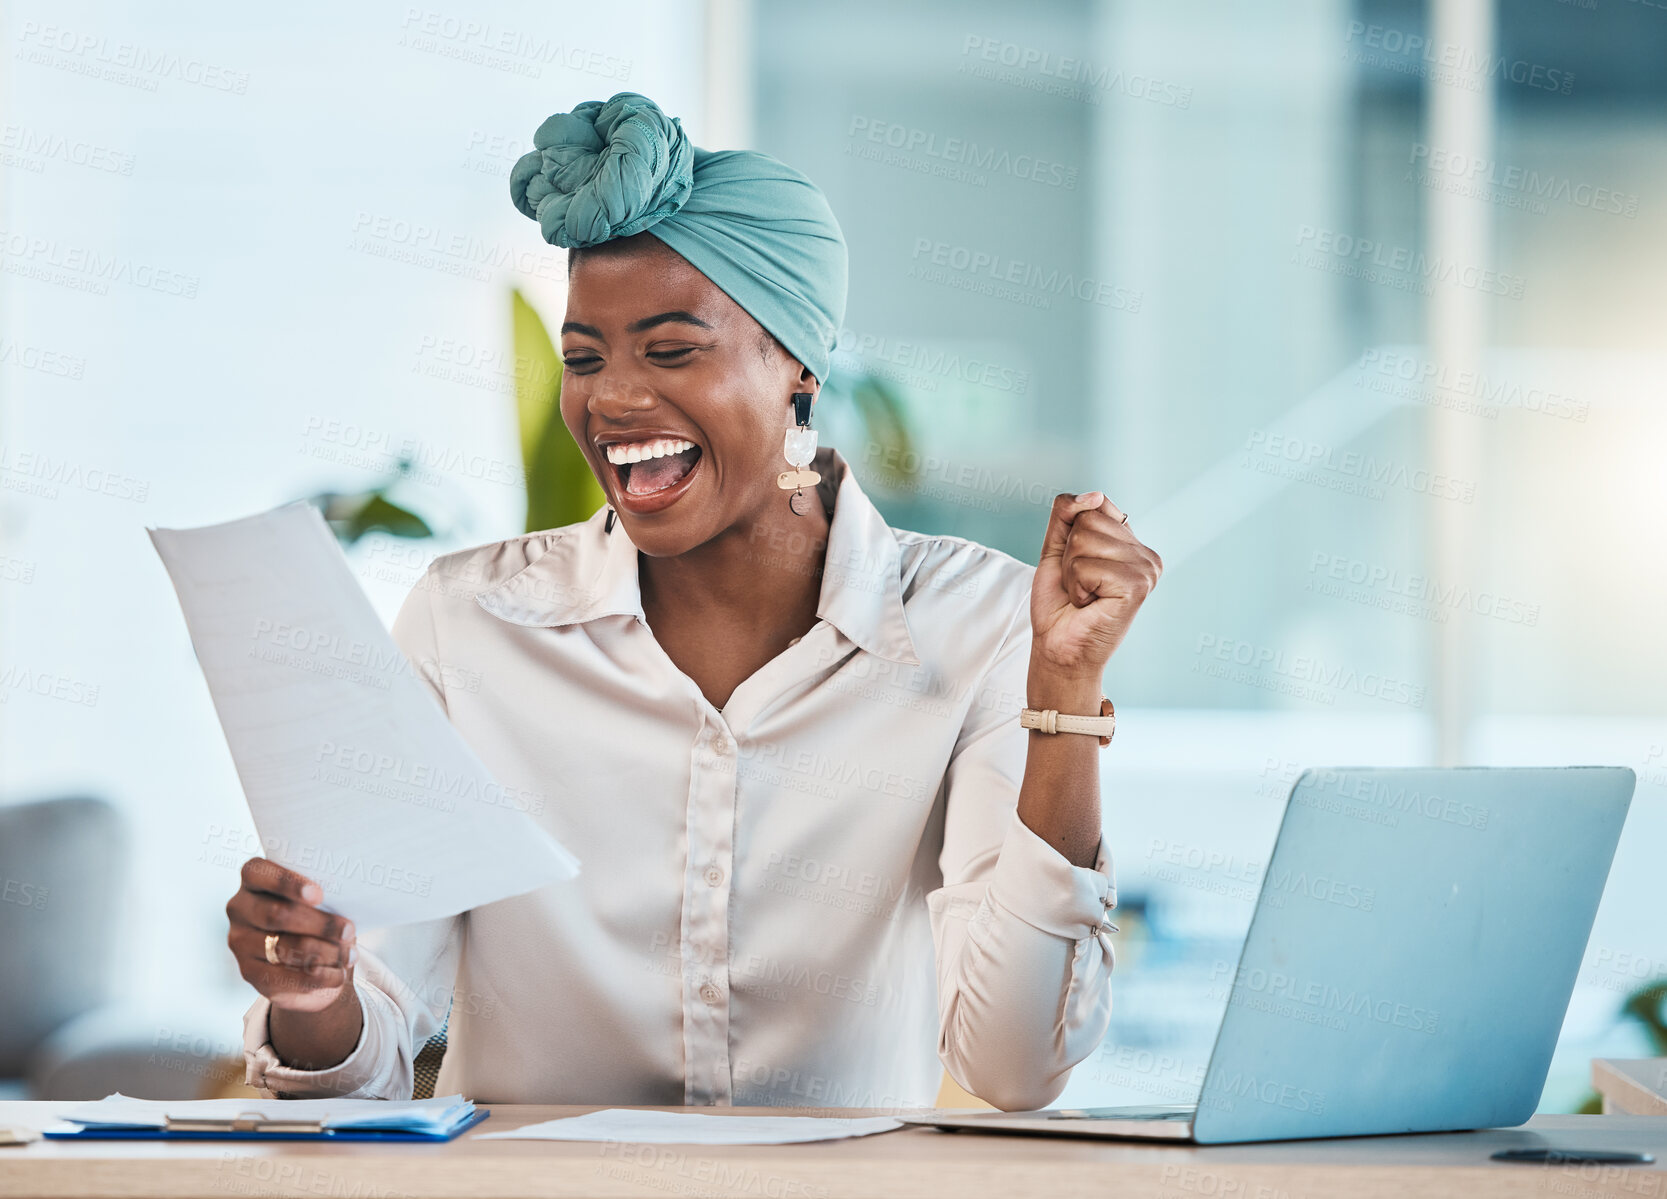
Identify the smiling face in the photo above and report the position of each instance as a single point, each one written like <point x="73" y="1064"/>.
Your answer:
<point x="676" y="395"/>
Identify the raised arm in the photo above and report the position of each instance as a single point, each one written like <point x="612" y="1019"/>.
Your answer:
<point x="1021" y="925"/>
<point x="1024" y="966"/>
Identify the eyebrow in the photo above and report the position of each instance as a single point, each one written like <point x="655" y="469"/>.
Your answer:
<point x="648" y="322"/>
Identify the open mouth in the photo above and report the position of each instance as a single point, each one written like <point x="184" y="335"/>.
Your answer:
<point x="651" y="468"/>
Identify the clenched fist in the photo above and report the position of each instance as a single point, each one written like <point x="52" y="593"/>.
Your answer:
<point x="1091" y="580"/>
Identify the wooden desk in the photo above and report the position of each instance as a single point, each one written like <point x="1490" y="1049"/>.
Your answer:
<point x="912" y="1162"/>
<point x="1631" y="1087"/>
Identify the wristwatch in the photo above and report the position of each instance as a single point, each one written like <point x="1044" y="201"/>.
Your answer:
<point x="1049" y="720"/>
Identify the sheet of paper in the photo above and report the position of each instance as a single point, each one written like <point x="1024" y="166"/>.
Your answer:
<point x="695" y="1128"/>
<point x="422" y="1115"/>
<point x="353" y="774"/>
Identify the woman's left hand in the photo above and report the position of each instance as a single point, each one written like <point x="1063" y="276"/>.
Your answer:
<point x="1091" y="580"/>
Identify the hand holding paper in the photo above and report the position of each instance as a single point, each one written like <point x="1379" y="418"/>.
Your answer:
<point x="353" y="774"/>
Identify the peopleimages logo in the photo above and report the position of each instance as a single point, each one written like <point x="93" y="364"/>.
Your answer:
<point x="1321" y="998"/>
<point x="1315" y="677"/>
<point x="1226" y="874"/>
<point x="1010" y="62"/>
<point x="451" y="252"/>
<point x="1427" y="380"/>
<point x="1321" y="887"/>
<point x="929" y="359"/>
<point x="1367" y="255"/>
<point x="1269" y="1091"/>
<point x="998" y="274"/>
<point x="959" y="152"/>
<point x="94" y="54"/>
<point x="86" y="269"/>
<point x="1472" y="64"/>
<point x="1524" y="183"/>
<point x="1421" y="588"/>
<point x="421" y="780"/>
<point x="31" y="149"/>
<point x="1333" y="785"/>
<point x="1298" y="458"/>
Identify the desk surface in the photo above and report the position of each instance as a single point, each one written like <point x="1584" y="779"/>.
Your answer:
<point x="911" y="1162"/>
<point x="1631" y="1086"/>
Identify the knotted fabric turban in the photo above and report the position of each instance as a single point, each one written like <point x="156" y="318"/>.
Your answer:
<point x="760" y="230"/>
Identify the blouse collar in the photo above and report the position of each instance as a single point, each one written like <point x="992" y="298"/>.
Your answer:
<point x="594" y="573"/>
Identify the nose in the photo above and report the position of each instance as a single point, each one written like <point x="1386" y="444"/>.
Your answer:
<point x="613" y="398"/>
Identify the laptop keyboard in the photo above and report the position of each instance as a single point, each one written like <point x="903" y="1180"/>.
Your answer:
<point x="1154" y="1112"/>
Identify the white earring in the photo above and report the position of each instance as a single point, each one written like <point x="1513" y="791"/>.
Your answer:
<point x="799" y="447"/>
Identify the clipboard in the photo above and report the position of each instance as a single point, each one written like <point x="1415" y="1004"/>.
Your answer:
<point x="254" y="1127"/>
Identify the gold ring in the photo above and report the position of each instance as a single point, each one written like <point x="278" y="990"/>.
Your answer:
<point x="272" y="949"/>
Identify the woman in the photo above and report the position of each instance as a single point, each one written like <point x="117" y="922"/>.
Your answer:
<point x="782" y="737"/>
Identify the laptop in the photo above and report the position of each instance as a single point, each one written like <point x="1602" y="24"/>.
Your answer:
<point x="1407" y="968"/>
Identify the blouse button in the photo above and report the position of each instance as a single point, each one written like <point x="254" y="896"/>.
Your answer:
<point x="714" y="876"/>
<point x="710" y="993"/>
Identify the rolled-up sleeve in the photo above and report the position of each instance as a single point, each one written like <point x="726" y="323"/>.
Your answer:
<point x="405" y="974"/>
<point x="369" y="1072"/>
<point x="1024" y="955"/>
<point x="399" y="1017"/>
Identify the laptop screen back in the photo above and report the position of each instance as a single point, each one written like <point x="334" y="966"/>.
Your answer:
<point x="1413" y="951"/>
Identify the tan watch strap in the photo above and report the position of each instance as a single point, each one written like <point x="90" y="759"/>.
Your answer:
<point x="1050" y="720"/>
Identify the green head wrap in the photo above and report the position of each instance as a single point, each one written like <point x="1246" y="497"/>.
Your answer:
<point x="760" y="230"/>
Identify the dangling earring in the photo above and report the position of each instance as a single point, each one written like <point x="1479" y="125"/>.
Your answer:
<point x="799" y="447"/>
<point x="608" y="525"/>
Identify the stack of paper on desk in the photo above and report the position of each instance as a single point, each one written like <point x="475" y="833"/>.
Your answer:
<point x="436" y="1116"/>
<point x="695" y="1128"/>
<point x="354" y="776"/>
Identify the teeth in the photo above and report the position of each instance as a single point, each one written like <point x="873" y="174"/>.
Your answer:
<point x="635" y="451"/>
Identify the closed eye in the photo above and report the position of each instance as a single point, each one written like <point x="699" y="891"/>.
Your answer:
<point x="579" y="364"/>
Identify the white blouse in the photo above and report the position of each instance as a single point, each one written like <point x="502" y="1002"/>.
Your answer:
<point x="763" y="886"/>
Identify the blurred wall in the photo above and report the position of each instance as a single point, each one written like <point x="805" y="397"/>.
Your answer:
<point x="247" y="257"/>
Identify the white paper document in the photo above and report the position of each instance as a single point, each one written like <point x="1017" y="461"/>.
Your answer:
<point x="354" y="776"/>
<point x="695" y="1128"/>
<point x="421" y="1115"/>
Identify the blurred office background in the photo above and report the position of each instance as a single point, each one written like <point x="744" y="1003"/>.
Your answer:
<point x="1356" y="307"/>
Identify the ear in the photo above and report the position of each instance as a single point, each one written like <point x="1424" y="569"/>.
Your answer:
<point x="808" y="382"/>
